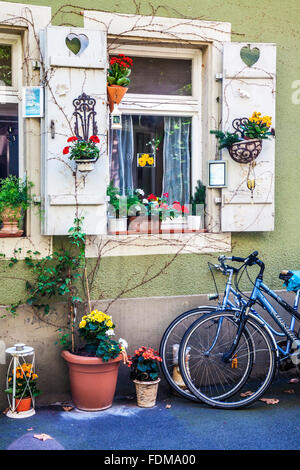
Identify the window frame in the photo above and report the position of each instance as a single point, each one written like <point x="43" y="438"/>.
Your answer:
<point x="170" y="105"/>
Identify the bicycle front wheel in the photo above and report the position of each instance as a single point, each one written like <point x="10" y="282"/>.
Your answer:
<point x="238" y="382"/>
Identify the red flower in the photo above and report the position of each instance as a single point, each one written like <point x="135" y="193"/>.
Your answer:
<point x="177" y="206"/>
<point x="72" y="139"/>
<point x="185" y="210"/>
<point x="166" y="194"/>
<point x="66" y="150"/>
<point x="152" y="197"/>
<point x="95" y="139"/>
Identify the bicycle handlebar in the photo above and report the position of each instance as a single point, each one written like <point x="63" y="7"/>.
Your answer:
<point x="249" y="261"/>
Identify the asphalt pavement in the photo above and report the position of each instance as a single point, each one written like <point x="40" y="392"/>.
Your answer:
<point x="173" y="424"/>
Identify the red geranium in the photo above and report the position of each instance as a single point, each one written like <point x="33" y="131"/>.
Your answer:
<point x="66" y="150"/>
<point x="95" y="139"/>
<point x="72" y="139"/>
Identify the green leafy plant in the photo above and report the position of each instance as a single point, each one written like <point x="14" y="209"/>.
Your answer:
<point x="81" y="149"/>
<point x="15" y="194"/>
<point x="144" y="364"/>
<point x="55" y="276"/>
<point x="198" y="199"/>
<point x="226" y="139"/>
<point x="117" y="203"/>
<point x="119" y="71"/>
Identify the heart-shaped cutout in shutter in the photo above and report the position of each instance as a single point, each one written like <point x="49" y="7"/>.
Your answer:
<point x="249" y="56"/>
<point x="77" y="43"/>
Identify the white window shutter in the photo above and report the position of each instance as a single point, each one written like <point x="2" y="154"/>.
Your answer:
<point x="248" y="88"/>
<point x="67" y="194"/>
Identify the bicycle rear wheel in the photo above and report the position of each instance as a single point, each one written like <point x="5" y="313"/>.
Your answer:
<point x="169" y="347"/>
<point x="236" y="383"/>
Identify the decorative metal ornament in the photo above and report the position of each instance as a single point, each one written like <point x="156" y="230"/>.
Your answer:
<point x="85" y="123"/>
<point x="19" y="352"/>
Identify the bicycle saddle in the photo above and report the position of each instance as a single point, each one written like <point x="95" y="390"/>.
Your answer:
<point x="285" y="275"/>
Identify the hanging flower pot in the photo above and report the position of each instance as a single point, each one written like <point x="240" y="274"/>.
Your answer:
<point x="85" y="153"/>
<point x="86" y="165"/>
<point x="118" y="79"/>
<point x="115" y="95"/>
<point x="245" y="151"/>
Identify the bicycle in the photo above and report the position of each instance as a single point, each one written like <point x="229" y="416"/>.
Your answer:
<point x="172" y="336"/>
<point x="233" y="351"/>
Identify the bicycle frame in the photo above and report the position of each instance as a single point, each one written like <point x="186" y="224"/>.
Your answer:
<point x="258" y="295"/>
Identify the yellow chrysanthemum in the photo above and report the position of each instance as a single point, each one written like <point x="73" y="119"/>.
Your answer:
<point x="82" y="324"/>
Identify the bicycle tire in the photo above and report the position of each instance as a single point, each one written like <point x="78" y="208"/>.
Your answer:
<point x="237" y="394"/>
<point x="173" y="335"/>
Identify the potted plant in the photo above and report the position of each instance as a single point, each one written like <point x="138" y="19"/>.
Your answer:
<point x="26" y="387"/>
<point x="118" y="78"/>
<point x="93" y="368"/>
<point x="15" y="198"/>
<point x="84" y="153"/>
<point x="245" y="144"/>
<point x="144" y="373"/>
<point x="117" y="210"/>
<point x="198" y="205"/>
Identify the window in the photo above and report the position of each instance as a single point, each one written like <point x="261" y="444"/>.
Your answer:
<point x="10" y="79"/>
<point x="161" y="120"/>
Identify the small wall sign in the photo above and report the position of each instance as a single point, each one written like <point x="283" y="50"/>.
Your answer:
<point x="33" y="101"/>
<point x="217" y="177"/>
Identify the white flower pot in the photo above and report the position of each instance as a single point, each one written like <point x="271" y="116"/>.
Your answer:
<point x="86" y="165"/>
<point x="177" y="223"/>
<point x="194" y="222"/>
<point x="117" y="225"/>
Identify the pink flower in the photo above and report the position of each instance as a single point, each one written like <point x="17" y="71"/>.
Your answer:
<point x="166" y="194"/>
<point x="185" y="210"/>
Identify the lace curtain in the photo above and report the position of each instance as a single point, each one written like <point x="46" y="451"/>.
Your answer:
<point x="121" y="155"/>
<point x="177" y="156"/>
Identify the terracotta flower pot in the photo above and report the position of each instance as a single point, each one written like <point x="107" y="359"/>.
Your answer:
<point x="93" y="381"/>
<point x="115" y="95"/>
<point x="23" y="404"/>
<point x="144" y="224"/>
<point x="10" y="218"/>
<point x="146" y="393"/>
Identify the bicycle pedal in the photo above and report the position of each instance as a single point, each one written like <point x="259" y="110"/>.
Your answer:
<point x="295" y="357"/>
<point x="296" y="344"/>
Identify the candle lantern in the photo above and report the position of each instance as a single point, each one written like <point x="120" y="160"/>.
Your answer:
<point x="20" y="381"/>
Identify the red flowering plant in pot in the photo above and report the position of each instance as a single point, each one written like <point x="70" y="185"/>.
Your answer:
<point x="84" y="153"/>
<point x="144" y="372"/>
<point x="118" y="78"/>
<point x="93" y="368"/>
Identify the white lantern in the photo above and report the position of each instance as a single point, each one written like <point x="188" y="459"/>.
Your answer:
<point x="116" y="118"/>
<point x="19" y="354"/>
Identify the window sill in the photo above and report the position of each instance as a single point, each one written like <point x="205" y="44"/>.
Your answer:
<point x="143" y="244"/>
<point x="161" y="232"/>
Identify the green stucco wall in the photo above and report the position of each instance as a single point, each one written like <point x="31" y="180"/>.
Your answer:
<point x="270" y="21"/>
